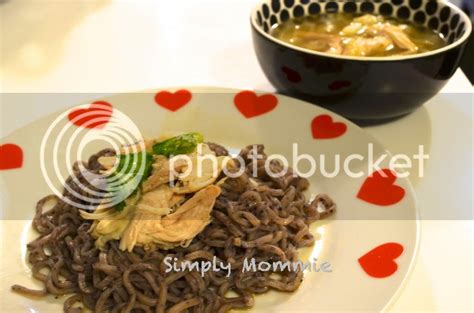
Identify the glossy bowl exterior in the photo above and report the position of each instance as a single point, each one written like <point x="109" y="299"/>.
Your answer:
<point x="357" y="88"/>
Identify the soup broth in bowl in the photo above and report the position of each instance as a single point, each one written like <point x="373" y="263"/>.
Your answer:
<point x="370" y="61"/>
<point x="358" y="35"/>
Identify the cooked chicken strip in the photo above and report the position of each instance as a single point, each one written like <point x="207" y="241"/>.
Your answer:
<point x="368" y="19"/>
<point x="162" y="197"/>
<point x="399" y="37"/>
<point x="107" y="162"/>
<point x="150" y="227"/>
<point x="190" y="218"/>
<point x="353" y="29"/>
<point x="361" y="46"/>
<point x="322" y="42"/>
<point x="109" y="224"/>
<point x="202" y="174"/>
<point x="162" y="173"/>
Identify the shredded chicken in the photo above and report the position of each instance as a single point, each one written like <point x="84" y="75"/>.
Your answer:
<point x="399" y="37"/>
<point x="367" y="35"/>
<point x="109" y="224"/>
<point x="162" y="172"/>
<point x="150" y="226"/>
<point x="353" y="29"/>
<point x="158" y="213"/>
<point x="204" y="169"/>
<point x="162" y="197"/>
<point x="106" y="212"/>
<point x="107" y="162"/>
<point x="368" y="19"/>
<point x="203" y="173"/>
<point x="361" y="46"/>
<point x="321" y="42"/>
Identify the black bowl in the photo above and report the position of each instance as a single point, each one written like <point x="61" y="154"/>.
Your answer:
<point x="360" y="88"/>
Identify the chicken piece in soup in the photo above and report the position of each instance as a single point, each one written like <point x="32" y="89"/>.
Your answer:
<point x="358" y="35"/>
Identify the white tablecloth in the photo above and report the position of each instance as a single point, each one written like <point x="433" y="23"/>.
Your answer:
<point x="118" y="46"/>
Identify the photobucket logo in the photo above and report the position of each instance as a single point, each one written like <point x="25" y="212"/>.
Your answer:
<point x="277" y="165"/>
<point x="75" y="137"/>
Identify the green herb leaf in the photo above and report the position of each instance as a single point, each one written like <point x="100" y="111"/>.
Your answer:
<point x="120" y="206"/>
<point x="129" y="166"/>
<point x="182" y="144"/>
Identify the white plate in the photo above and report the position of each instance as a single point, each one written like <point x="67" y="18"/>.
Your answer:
<point x="356" y="228"/>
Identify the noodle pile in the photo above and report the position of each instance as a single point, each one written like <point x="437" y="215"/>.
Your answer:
<point x="262" y="217"/>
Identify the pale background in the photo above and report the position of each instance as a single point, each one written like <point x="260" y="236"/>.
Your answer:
<point x="119" y="46"/>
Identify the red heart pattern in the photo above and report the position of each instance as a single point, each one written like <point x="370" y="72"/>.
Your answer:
<point x="252" y="105"/>
<point x="11" y="156"/>
<point x="380" y="189"/>
<point x="339" y="84"/>
<point x="292" y="75"/>
<point x="380" y="261"/>
<point x="323" y="127"/>
<point x="97" y="115"/>
<point x="173" y="101"/>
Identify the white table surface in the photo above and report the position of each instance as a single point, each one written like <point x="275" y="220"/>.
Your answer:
<point x="117" y="46"/>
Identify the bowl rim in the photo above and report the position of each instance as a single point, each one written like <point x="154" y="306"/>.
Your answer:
<point x="459" y="41"/>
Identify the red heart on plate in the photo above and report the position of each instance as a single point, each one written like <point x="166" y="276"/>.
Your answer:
<point x="252" y="105"/>
<point x="173" y="101"/>
<point x="292" y="75"/>
<point x="95" y="116"/>
<point x="339" y="84"/>
<point x="379" y="189"/>
<point x="11" y="156"/>
<point x="380" y="261"/>
<point x="323" y="127"/>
